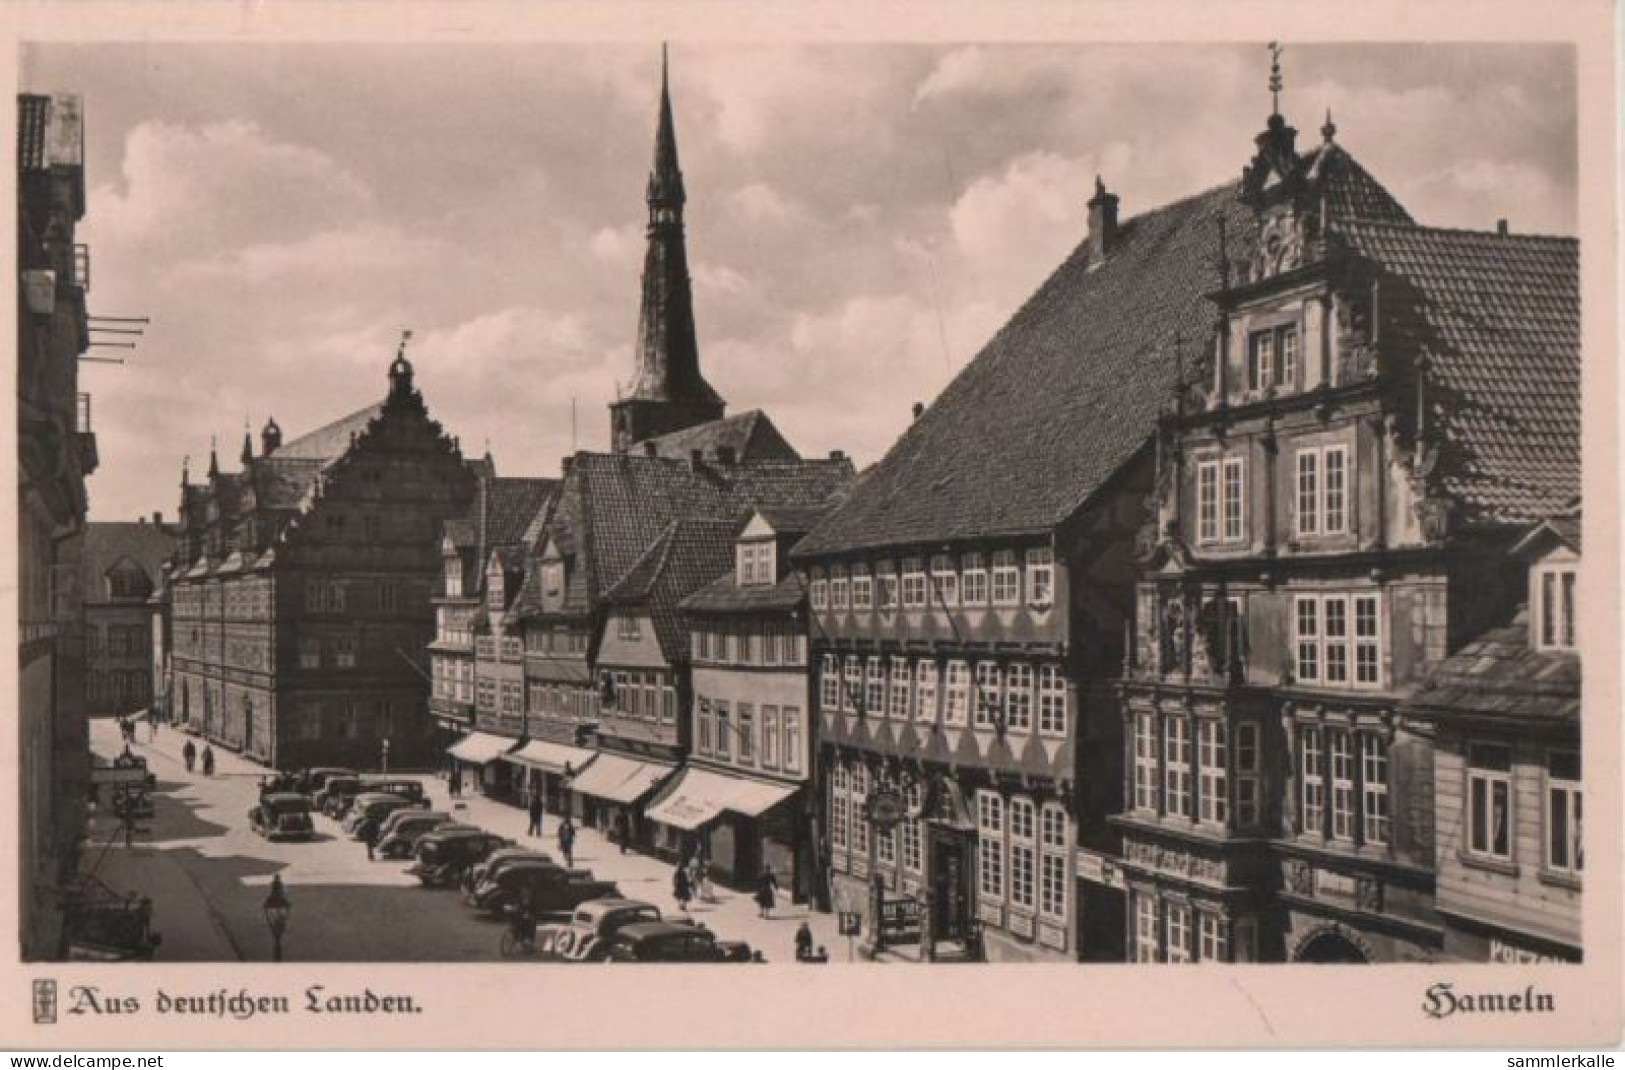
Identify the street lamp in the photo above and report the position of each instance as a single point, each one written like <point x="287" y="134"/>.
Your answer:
<point x="277" y="908"/>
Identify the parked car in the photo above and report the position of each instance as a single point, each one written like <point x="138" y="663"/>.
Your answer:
<point x="501" y="858"/>
<point x="316" y="779"/>
<point x="282" y="815"/>
<point x="410" y="790"/>
<point x="583" y="936"/>
<point x="444" y="855"/>
<point x="367" y="810"/>
<point x="399" y="832"/>
<point x="336" y="793"/>
<point x="130" y="760"/>
<point x="131" y="802"/>
<point x="548" y="887"/>
<point x="665" y="941"/>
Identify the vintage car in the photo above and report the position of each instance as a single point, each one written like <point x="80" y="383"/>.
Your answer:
<point x="399" y="832"/>
<point x="500" y="859"/>
<point x="314" y="780"/>
<point x="282" y="815"/>
<point x="129" y="760"/>
<point x="547" y="887"/>
<point x="368" y="810"/>
<point x="665" y="941"/>
<point x="337" y="791"/>
<point x="410" y="790"/>
<point x="443" y="856"/>
<point x="583" y="936"/>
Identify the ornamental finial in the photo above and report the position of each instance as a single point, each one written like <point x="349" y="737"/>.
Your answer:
<point x="1275" y="76"/>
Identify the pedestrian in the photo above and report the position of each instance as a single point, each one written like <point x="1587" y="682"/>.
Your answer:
<point x="681" y="890"/>
<point x="208" y="760"/>
<point x="537" y="810"/>
<point x="767" y="887"/>
<point x="804" y="942"/>
<point x="567" y="841"/>
<point x="457" y="782"/>
<point x="152" y="722"/>
<point x="189" y="755"/>
<point x="623" y="831"/>
<point x="372" y="839"/>
<point x="702" y="882"/>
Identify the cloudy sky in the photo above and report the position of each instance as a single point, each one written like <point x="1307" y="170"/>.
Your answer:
<point x="861" y="218"/>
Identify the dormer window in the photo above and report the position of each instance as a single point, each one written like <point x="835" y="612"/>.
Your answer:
<point x="1273" y="358"/>
<point x="454" y="578"/>
<point x="553" y="578"/>
<point x="493" y="590"/>
<point x="1554" y="587"/>
<point x="755" y="563"/>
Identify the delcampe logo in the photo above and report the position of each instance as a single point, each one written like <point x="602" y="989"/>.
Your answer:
<point x="44" y="1001"/>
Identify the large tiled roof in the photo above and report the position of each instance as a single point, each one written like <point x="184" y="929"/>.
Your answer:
<point x="1060" y="398"/>
<point x="282" y="482"/>
<point x="108" y="542"/>
<point x="1498" y="317"/>
<point x="328" y="442"/>
<point x="1349" y="189"/>
<point x="1500" y="675"/>
<point x="613" y="506"/>
<point x="724" y="595"/>
<point x="750" y="435"/>
<point x="687" y="556"/>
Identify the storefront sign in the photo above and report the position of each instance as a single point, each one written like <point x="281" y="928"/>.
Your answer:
<point x="900" y="921"/>
<point x="1507" y="954"/>
<point x="886" y="808"/>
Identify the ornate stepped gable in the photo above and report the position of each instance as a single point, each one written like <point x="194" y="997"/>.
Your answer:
<point x="1071" y="387"/>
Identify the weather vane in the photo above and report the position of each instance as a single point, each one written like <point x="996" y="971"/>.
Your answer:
<point x="406" y="336"/>
<point x="1275" y="75"/>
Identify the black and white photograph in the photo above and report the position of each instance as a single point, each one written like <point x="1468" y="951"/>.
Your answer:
<point x="801" y="507"/>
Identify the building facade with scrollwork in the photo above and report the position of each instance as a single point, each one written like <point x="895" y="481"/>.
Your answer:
<point x="1376" y="411"/>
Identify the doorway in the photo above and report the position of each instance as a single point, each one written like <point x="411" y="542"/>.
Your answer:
<point x="950" y="884"/>
<point x="1331" y="948"/>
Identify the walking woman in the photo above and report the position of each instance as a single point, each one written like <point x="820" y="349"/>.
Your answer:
<point x="681" y="889"/>
<point x="208" y="760"/>
<point x="767" y="889"/>
<point x="189" y="755"/>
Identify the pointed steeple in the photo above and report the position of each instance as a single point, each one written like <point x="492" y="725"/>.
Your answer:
<point x="668" y="392"/>
<point x="247" y="456"/>
<point x="214" y="458"/>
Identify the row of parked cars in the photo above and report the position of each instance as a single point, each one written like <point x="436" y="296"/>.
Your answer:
<point x="557" y="912"/>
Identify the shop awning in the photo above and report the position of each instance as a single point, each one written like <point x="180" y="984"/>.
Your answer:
<point x="700" y="796"/>
<point x="552" y="757"/>
<point x="478" y="748"/>
<point x="618" y="779"/>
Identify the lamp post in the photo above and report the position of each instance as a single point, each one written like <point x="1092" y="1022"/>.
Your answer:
<point x="277" y="908"/>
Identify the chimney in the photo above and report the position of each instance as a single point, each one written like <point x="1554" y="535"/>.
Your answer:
<point x="140" y="520"/>
<point x="725" y="455"/>
<point x="1102" y="222"/>
<point x="564" y="465"/>
<point x="837" y="455"/>
<point x="1501" y="227"/>
<point x="919" y="409"/>
<point x="696" y="459"/>
<point x="650" y="449"/>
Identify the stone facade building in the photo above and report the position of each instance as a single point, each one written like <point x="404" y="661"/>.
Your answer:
<point x="1370" y="412"/>
<point x="121" y="567"/>
<point x="300" y="596"/>
<point x="56" y="451"/>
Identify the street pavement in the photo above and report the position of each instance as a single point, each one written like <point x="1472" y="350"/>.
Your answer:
<point x="208" y="873"/>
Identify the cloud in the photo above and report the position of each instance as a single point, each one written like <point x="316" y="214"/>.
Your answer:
<point x="617" y="245"/>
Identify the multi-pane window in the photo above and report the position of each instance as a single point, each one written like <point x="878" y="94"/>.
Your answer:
<point x="874" y="690"/>
<point x="839" y="790"/>
<point x="747" y="732"/>
<point x="1207" y="501"/>
<point x="1023" y="852"/>
<point x="1234" y="498"/>
<point x="987" y="694"/>
<point x="1006" y="579"/>
<point x="1221" y="489"/>
<point x="1179" y="932"/>
<point x="792" y="738"/>
<point x="897" y="700"/>
<point x="1147" y="927"/>
<point x="1332" y="649"/>
<point x="829" y="683"/>
<point x="1051" y="701"/>
<point x="1145" y="761"/>
<point x="914" y="592"/>
<point x="974" y="579"/>
<point x="704" y="725"/>
<point x="925" y="690"/>
<point x="344" y="652"/>
<point x="1213" y="761"/>
<point x="818" y="594"/>
<point x="1314" y="780"/>
<point x="1040" y="576"/>
<point x="1554" y="608"/>
<point x="1564" y="850"/>
<point x="310" y="654"/>
<point x="885" y="845"/>
<point x="957" y="704"/>
<point x="1374" y="787"/>
<point x="1214" y="944"/>
<point x="1323" y="478"/>
<point x="909" y="828"/>
<point x="863" y="591"/>
<point x="852" y="693"/>
<point x="990" y="846"/>
<point x="1052" y="868"/>
<point x="838" y="593"/>
<point x="1342" y="767"/>
<point x="1247" y="770"/>
<point x="1018" y="698"/>
<point x="1273" y="357"/>
<point x="888" y="589"/>
<point x="944" y="581"/>
<point x="1489" y="801"/>
<point x="724" y="744"/>
<point x="1177" y="765"/>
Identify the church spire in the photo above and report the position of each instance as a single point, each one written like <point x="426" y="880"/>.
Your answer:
<point x="214" y="459"/>
<point x="668" y="392"/>
<point x="247" y="456"/>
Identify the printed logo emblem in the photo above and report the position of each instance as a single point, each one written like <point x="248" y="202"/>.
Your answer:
<point x="44" y="1001"/>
